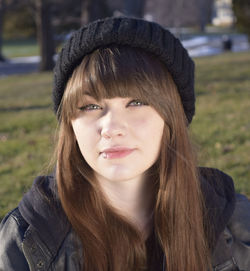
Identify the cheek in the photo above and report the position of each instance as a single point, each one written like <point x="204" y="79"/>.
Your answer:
<point x="158" y="127"/>
<point x="149" y="132"/>
<point x="85" y="134"/>
<point x="149" y="126"/>
<point x="77" y="128"/>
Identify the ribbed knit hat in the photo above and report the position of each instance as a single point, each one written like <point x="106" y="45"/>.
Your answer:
<point x="133" y="32"/>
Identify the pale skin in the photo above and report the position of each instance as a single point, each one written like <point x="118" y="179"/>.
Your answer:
<point x="135" y="130"/>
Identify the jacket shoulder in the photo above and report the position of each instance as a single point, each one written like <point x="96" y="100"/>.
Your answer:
<point x="12" y="232"/>
<point x="239" y="228"/>
<point x="233" y="242"/>
<point x="233" y="246"/>
<point x="17" y="217"/>
<point x="218" y="179"/>
<point x="219" y="197"/>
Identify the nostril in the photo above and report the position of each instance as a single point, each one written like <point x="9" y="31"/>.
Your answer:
<point x="105" y="134"/>
<point x="111" y="133"/>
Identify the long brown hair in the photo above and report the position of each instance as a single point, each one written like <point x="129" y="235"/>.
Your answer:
<point x="109" y="240"/>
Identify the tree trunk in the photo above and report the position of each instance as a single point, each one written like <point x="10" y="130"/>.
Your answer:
<point x="205" y="13"/>
<point x="45" y="34"/>
<point x="134" y="8"/>
<point x="93" y="10"/>
<point x="2" y="7"/>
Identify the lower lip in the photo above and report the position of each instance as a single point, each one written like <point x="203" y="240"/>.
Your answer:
<point x="116" y="154"/>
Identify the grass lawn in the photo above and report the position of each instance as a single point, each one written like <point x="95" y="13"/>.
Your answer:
<point x="20" y="48"/>
<point x="221" y="126"/>
<point x="220" y="129"/>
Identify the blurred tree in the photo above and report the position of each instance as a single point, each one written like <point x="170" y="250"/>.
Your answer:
<point x="93" y="10"/>
<point x="241" y="10"/>
<point x="205" y="9"/>
<point x="2" y="9"/>
<point x="180" y="13"/>
<point x="20" y="23"/>
<point x="134" y="8"/>
<point x="45" y="34"/>
<point x="66" y="15"/>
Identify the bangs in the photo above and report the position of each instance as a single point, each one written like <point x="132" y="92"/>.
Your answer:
<point x="116" y="71"/>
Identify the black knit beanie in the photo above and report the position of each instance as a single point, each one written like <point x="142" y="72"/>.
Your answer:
<point x="133" y="32"/>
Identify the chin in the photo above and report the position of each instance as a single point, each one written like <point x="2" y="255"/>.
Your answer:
<point x="118" y="177"/>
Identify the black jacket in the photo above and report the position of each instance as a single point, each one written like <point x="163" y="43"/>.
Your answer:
<point x="37" y="236"/>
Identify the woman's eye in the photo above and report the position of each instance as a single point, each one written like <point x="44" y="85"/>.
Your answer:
<point x="137" y="103"/>
<point x="89" y="107"/>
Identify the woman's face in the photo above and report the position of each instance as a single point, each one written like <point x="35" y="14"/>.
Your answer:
<point x="119" y="138"/>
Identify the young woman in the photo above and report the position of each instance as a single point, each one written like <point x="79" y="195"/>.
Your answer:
<point x="126" y="193"/>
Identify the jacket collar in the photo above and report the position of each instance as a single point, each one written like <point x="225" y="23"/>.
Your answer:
<point x="219" y="197"/>
<point x="42" y="210"/>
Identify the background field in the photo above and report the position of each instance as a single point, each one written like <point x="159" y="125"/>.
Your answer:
<point x="20" y="48"/>
<point x="220" y="129"/>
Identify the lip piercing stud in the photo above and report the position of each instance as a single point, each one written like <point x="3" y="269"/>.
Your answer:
<point x="104" y="155"/>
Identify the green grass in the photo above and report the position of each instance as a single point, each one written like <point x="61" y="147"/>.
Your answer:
<point x="221" y="127"/>
<point x="23" y="48"/>
<point x="26" y="134"/>
<point x="20" y="48"/>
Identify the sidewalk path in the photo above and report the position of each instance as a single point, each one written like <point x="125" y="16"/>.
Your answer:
<point x="196" y="46"/>
<point x="213" y="45"/>
<point x="19" y="65"/>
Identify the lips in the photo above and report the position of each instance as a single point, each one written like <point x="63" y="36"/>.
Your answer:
<point x="116" y="152"/>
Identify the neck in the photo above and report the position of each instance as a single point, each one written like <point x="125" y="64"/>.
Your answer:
<point x="131" y="198"/>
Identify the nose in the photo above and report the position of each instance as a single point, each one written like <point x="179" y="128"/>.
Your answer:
<point x="113" y="125"/>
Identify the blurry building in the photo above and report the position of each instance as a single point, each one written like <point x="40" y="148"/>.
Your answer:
<point x="223" y="14"/>
<point x="180" y="13"/>
<point x="174" y="14"/>
<point x="171" y="13"/>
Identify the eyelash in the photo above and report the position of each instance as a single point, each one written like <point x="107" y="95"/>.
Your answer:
<point x="86" y="107"/>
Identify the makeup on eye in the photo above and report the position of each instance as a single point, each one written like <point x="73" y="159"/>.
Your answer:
<point x="89" y="107"/>
<point x="138" y="102"/>
<point x="92" y="106"/>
